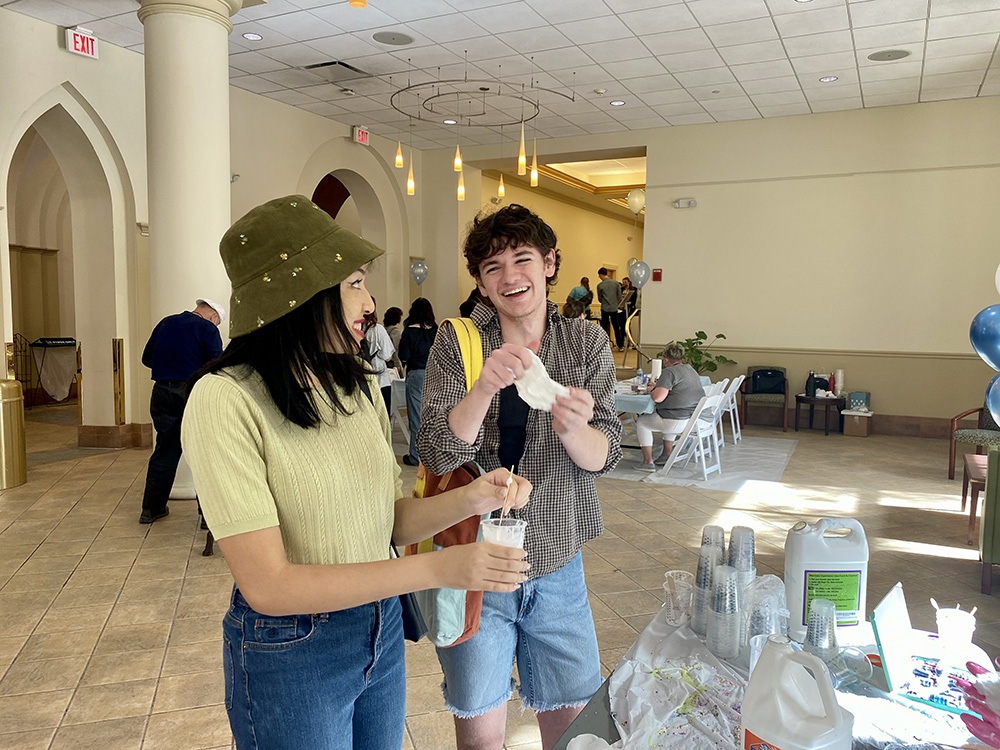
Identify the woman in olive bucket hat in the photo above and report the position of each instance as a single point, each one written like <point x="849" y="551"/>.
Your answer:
<point x="298" y="483"/>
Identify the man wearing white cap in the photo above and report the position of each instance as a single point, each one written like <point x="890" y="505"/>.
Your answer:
<point x="178" y="347"/>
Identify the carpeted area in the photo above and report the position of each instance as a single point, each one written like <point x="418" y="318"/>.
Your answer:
<point x="755" y="458"/>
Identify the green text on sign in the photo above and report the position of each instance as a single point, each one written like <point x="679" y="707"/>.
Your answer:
<point x="843" y="588"/>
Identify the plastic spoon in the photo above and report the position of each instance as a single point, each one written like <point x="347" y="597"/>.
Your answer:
<point x="506" y="499"/>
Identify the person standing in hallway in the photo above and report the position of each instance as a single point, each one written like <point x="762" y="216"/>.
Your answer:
<point x="414" y="345"/>
<point x="380" y="351"/>
<point x="179" y="346"/>
<point x="609" y="294"/>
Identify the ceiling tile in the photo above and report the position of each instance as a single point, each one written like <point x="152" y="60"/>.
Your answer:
<point x="672" y="42"/>
<point x="990" y="89"/>
<point x="820" y="63"/>
<point x="614" y="51"/>
<point x="114" y="33"/>
<point x="603" y="128"/>
<point x="645" y="66"/>
<point x="424" y="58"/>
<point x="968" y="24"/>
<point x="732" y="115"/>
<point x="959" y="92"/>
<point x="957" y="64"/>
<point x="533" y="40"/>
<point x="834" y="91"/>
<point x="732" y="102"/>
<point x="812" y="22"/>
<point x="685" y="61"/>
<point x="876" y="12"/>
<point x="589" y="118"/>
<point x="325" y="109"/>
<point x="501" y="18"/>
<point x="291" y="96"/>
<point x="647" y="123"/>
<point x="742" y="32"/>
<point x="779" y="7"/>
<point x="834" y="105"/>
<point x="778" y="98"/>
<point x="756" y="71"/>
<point x="292" y="78"/>
<point x="783" y="110"/>
<point x="631" y="111"/>
<point x="384" y="65"/>
<point x="271" y="38"/>
<point x="952" y="7"/>
<point x="560" y="59"/>
<point x="324" y="92"/>
<point x="951" y="80"/>
<point x="301" y="25"/>
<point x="654" y="98"/>
<point x="768" y="85"/>
<point x="581" y="76"/>
<point x="652" y="83"/>
<point x="561" y="11"/>
<point x="347" y="18"/>
<point x="102" y="8"/>
<point x="296" y="55"/>
<point x="410" y="10"/>
<point x="891" y="34"/>
<point x="264" y="10"/>
<point x="255" y="84"/>
<point x="751" y="53"/>
<point x="657" y="20"/>
<point x="844" y="76"/>
<point x="624" y="6"/>
<point x="680" y="108"/>
<point x="706" y="77"/>
<point x="343" y="47"/>
<point x="690" y="119"/>
<point x="716" y="91"/>
<point x="594" y="30"/>
<point x="890" y="100"/>
<point x="963" y="45"/>
<point x="909" y="86"/>
<point x="819" y="44"/>
<point x="254" y="62"/>
<point x="709" y="12"/>
<point x="887" y="71"/>
<point x="447" y="28"/>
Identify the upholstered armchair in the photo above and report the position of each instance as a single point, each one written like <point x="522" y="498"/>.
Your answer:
<point x="747" y="395"/>
<point x="987" y="433"/>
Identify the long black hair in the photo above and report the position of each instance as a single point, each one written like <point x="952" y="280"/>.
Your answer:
<point x="421" y="314"/>
<point x="292" y="350"/>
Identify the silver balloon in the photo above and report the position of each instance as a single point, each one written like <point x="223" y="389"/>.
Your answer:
<point x="630" y="261"/>
<point x="639" y="273"/>
<point x="418" y="271"/>
<point x="636" y="200"/>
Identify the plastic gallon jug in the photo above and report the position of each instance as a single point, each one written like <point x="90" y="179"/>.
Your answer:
<point x="824" y="562"/>
<point x="789" y="703"/>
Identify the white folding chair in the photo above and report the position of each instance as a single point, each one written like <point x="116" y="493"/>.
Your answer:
<point x="696" y="439"/>
<point x="729" y="406"/>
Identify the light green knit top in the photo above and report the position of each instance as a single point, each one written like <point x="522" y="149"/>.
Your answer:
<point x="331" y="488"/>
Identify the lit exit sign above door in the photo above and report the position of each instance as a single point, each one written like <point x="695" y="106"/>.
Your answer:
<point x="360" y="133"/>
<point x="81" y="42"/>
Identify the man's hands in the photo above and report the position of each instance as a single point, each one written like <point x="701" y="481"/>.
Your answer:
<point x="482" y="567"/>
<point x="573" y="412"/>
<point x="503" y="367"/>
<point x="487" y="493"/>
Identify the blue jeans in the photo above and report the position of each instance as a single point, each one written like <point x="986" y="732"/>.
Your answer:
<point x="547" y="626"/>
<point x="414" y="396"/>
<point x="335" y="680"/>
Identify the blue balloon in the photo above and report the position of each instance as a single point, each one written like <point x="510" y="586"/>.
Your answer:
<point x="993" y="398"/>
<point x="985" y="335"/>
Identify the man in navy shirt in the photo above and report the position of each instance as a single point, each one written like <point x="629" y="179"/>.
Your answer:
<point x="178" y="347"/>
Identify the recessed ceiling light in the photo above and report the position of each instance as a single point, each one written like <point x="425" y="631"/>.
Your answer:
<point x="889" y="54"/>
<point x="252" y="37"/>
<point x="828" y="79"/>
<point x="617" y="103"/>
<point x="449" y="122"/>
<point x="394" y="38"/>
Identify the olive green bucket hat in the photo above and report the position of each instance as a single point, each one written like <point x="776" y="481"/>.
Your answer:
<point x="283" y="253"/>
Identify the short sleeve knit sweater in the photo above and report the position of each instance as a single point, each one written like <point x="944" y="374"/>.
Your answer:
<point x="331" y="488"/>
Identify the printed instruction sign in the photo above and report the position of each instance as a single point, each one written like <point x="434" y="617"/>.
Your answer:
<point x="842" y="587"/>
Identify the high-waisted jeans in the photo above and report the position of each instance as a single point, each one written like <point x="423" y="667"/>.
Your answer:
<point x="330" y="681"/>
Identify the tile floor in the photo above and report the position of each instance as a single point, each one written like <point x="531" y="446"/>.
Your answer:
<point x="109" y="631"/>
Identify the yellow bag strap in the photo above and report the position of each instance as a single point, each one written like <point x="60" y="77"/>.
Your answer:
<point x="470" y="344"/>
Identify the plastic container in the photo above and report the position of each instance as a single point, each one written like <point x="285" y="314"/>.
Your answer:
<point x="824" y="562"/>
<point x="789" y="703"/>
<point x="506" y="531"/>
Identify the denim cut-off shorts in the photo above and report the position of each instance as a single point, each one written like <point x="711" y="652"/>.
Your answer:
<point x="547" y="626"/>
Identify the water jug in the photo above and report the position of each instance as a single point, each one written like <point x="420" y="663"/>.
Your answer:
<point x="789" y="703"/>
<point x="820" y="564"/>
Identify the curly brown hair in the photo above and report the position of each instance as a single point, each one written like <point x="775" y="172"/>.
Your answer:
<point x="510" y="227"/>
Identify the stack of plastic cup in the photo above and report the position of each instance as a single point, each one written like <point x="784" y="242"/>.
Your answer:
<point x="725" y="617"/>
<point x="709" y="558"/>
<point x="741" y="553"/>
<point x="821" y="631"/>
<point x="764" y="617"/>
<point x="678" y="585"/>
<point x="716" y="536"/>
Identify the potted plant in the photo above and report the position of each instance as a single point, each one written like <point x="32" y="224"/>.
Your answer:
<point x="697" y="355"/>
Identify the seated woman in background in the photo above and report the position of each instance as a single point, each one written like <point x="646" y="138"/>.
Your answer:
<point x="583" y="294"/>
<point x="676" y="394"/>
<point x="418" y="335"/>
<point x="298" y="482"/>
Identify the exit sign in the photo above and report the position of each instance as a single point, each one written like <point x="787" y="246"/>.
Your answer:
<point x="361" y="135"/>
<point x="81" y="42"/>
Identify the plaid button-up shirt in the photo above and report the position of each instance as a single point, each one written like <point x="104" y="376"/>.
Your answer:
<point x="563" y="512"/>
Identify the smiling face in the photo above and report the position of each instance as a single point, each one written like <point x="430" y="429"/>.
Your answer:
<point x="515" y="280"/>
<point x="356" y="302"/>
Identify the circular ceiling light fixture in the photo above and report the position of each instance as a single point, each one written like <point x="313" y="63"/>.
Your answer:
<point x="617" y="103"/>
<point x="252" y="36"/>
<point x="887" y="55"/>
<point x="394" y="38"/>
<point x="828" y="79"/>
<point x="449" y="122"/>
<point x="803" y="1"/>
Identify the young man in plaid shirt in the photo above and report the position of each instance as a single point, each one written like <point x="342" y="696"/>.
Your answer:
<point x="546" y="626"/>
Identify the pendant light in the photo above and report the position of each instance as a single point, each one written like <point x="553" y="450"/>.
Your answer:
<point x="410" y="186"/>
<point x="521" y="158"/>
<point x="500" y="189"/>
<point x="534" y="164"/>
<point x="461" y="186"/>
<point x="399" y="154"/>
<point x="458" y="158"/>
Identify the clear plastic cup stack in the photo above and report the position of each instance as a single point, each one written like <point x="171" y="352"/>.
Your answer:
<point x="821" y="630"/>
<point x="724" y="618"/>
<point x="708" y="559"/>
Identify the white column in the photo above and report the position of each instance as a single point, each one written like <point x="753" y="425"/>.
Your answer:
<point x="187" y="149"/>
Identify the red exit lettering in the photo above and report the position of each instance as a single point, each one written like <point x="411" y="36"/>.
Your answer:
<point x="81" y="44"/>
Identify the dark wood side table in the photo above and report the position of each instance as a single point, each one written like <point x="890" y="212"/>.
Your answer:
<point x="839" y="402"/>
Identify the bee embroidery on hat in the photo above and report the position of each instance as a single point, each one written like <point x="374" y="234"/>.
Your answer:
<point x="259" y="322"/>
<point x="291" y="303"/>
<point x="295" y="271"/>
<point x="303" y="248"/>
<point x="338" y="257"/>
<point x="267" y="277"/>
<point x="236" y="299"/>
<point x="283" y="256"/>
<point x="293" y="204"/>
<point x="243" y="239"/>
